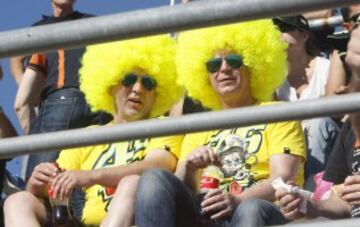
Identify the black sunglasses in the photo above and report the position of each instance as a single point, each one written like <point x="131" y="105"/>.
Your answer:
<point x="147" y="82"/>
<point x="233" y="60"/>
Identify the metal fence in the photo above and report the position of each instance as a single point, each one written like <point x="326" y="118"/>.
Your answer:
<point x="189" y="123"/>
<point x="151" y="21"/>
<point x="162" y="20"/>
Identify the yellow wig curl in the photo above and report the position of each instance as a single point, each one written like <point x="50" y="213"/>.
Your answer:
<point x="259" y="44"/>
<point x="105" y="65"/>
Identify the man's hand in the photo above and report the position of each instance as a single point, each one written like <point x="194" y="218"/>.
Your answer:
<point x="289" y="204"/>
<point x="351" y="190"/>
<point x="218" y="203"/>
<point x="41" y="177"/>
<point x="201" y="157"/>
<point x="66" y="181"/>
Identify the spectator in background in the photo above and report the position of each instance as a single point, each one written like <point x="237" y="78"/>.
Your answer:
<point x="62" y="9"/>
<point x="235" y="66"/>
<point x="343" y="166"/>
<point x="339" y="76"/>
<point x="138" y="81"/>
<point x="306" y="79"/>
<point x="6" y="130"/>
<point x="53" y="76"/>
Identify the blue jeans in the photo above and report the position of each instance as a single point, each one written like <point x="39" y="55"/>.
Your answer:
<point x="320" y="136"/>
<point x="163" y="200"/>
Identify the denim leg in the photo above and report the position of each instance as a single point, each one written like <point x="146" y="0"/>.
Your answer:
<point x="256" y="213"/>
<point x="320" y="135"/>
<point x="54" y="115"/>
<point x="163" y="200"/>
<point x="61" y="110"/>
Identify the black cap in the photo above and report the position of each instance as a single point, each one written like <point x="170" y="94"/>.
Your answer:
<point x="295" y="22"/>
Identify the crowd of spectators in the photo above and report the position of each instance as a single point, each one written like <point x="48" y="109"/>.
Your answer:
<point x="156" y="181"/>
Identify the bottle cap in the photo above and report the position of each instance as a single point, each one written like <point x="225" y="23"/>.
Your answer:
<point x="51" y="193"/>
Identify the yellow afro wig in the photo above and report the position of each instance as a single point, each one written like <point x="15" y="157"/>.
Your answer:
<point x="259" y="44"/>
<point x="105" y="65"/>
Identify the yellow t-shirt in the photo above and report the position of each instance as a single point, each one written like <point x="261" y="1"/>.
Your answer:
<point x="245" y="151"/>
<point x="103" y="156"/>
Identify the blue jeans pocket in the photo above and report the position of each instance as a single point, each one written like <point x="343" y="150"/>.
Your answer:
<point x="56" y="114"/>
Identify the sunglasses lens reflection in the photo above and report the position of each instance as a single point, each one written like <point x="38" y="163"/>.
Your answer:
<point x="129" y="80"/>
<point x="214" y="65"/>
<point x="233" y="60"/>
<point x="147" y="82"/>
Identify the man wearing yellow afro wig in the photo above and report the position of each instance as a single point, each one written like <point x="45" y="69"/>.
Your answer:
<point x="227" y="67"/>
<point x="133" y="80"/>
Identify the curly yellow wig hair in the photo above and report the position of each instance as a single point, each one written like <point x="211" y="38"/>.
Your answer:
<point x="259" y="44"/>
<point x="105" y="65"/>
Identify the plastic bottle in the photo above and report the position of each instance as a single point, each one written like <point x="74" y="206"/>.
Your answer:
<point x="60" y="216"/>
<point x="210" y="180"/>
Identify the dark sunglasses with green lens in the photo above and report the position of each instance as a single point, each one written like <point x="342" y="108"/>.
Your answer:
<point x="147" y="82"/>
<point x="233" y="60"/>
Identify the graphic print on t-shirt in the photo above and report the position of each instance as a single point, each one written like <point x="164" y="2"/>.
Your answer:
<point x="237" y="150"/>
<point x="116" y="155"/>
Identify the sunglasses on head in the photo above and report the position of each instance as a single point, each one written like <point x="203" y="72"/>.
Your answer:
<point x="233" y="60"/>
<point x="147" y="82"/>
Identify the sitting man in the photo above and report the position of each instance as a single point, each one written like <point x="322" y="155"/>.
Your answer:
<point x="227" y="67"/>
<point x="133" y="80"/>
<point x="344" y="163"/>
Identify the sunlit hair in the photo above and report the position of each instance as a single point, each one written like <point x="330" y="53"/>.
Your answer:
<point x="257" y="42"/>
<point x="105" y="65"/>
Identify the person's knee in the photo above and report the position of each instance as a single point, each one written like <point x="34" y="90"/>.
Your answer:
<point x="21" y="201"/>
<point x="128" y="184"/>
<point x="152" y="182"/>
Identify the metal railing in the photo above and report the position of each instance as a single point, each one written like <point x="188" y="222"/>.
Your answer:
<point x="189" y="123"/>
<point x="318" y="24"/>
<point x="151" y="21"/>
<point x="162" y="20"/>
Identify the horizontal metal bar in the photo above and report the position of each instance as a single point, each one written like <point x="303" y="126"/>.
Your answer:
<point x="189" y="123"/>
<point x="333" y="223"/>
<point x="151" y="21"/>
<point x="318" y="24"/>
